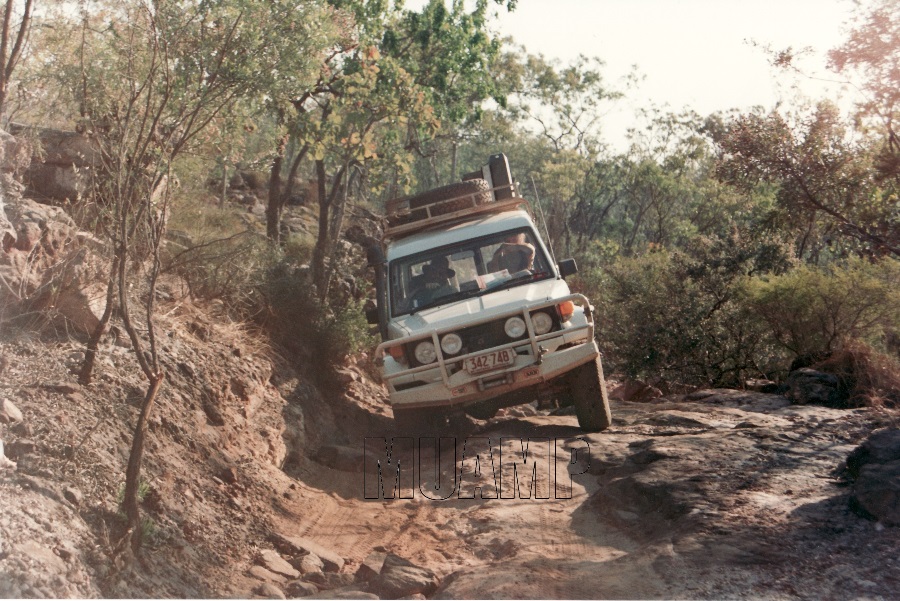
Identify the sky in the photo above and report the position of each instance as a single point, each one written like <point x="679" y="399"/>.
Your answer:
<point x="694" y="54"/>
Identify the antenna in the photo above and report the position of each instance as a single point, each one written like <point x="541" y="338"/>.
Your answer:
<point x="537" y="200"/>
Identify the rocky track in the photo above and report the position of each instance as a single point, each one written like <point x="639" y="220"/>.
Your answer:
<point x="257" y="488"/>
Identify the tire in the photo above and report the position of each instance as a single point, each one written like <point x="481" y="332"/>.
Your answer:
<point x="415" y="203"/>
<point x="588" y="388"/>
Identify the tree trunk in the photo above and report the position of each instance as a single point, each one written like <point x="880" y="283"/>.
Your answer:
<point x="135" y="458"/>
<point x="453" y="158"/>
<point x="273" y="208"/>
<point x="224" y="194"/>
<point x="335" y="228"/>
<point x="321" y="248"/>
<point x="87" y="368"/>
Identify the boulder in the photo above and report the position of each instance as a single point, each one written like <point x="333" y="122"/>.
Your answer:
<point x="309" y="563"/>
<point x="261" y="573"/>
<point x="401" y="578"/>
<point x="347" y="592"/>
<point x="73" y="495"/>
<point x="371" y="565"/>
<point x="4" y="462"/>
<point x="877" y="492"/>
<point x="296" y="545"/>
<point x="635" y="391"/>
<point x="882" y="446"/>
<point x="15" y="153"/>
<point x="59" y="164"/>
<point x="328" y="580"/>
<point x="875" y="468"/>
<point x="808" y="386"/>
<point x="46" y="263"/>
<point x="268" y="590"/>
<point x="273" y="562"/>
<point x="20" y="448"/>
<point x="298" y="588"/>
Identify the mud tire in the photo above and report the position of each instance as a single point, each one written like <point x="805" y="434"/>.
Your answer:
<point x="588" y="389"/>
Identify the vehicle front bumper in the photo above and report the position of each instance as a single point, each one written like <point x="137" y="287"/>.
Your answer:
<point x="538" y="360"/>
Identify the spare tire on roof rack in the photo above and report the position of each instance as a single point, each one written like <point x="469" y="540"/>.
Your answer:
<point x="447" y="199"/>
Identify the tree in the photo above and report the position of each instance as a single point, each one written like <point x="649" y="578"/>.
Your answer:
<point x="353" y="131"/>
<point x="454" y="60"/>
<point x="148" y="79"/>
<point x="562" y="105"/>
<point x="872" y="49"/>
<point x="12" y="42"/>
<point x="823" y="175"/>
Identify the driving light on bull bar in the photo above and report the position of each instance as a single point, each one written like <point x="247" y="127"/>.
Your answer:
<point x="451" y="344"/>
<point x="542" y="322"/>
<point x="397" y="353"/>
<point x="566" y="310"/>
<point x="515" y="327"/>
<point x="425" y="352"/>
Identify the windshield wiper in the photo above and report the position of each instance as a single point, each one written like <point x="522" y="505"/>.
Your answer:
<point x="449" y="298"/>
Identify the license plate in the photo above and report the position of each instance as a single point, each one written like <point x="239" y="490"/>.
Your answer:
<point x="490" y="361"/>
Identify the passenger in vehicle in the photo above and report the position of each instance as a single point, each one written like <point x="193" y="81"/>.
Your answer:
<point x="514" y="255"/>
<point x="434" y="282"/>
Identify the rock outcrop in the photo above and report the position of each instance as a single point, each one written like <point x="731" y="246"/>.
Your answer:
<point x="875" y="469"/>
<point x="46" y="263"/>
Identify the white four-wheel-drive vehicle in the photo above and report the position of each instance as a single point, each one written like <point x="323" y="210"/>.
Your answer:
<point x="474" y="313"/>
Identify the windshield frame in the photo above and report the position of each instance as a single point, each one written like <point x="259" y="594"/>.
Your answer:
<point x="475" y="278"/>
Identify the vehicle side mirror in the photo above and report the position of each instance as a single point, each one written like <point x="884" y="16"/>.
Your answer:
<point x="567" y="267"/>
<point x="372" y="313"/>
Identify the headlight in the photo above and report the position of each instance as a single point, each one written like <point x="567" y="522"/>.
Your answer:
<point x="425" y="352"/>
<point x="542" y="322"/>
<point x="515" y="327"/>
<point x="451" y="344"/>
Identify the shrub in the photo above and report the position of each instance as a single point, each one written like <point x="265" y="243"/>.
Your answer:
<point x="325" y="333"/>
<point x="814" y="311"/>
<point x="679" y="320"/>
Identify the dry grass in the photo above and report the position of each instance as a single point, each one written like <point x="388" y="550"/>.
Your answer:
<point x="868" y="378"/>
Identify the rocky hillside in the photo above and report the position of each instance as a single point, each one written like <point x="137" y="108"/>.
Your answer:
<point x="255" y="478"/>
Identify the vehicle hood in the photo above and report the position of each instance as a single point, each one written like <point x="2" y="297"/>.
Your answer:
<point x="495" y="303"/>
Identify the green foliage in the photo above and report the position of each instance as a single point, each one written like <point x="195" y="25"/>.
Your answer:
<point x="825" y="180"/>
<point x="872" y="49"/>
<point x="682" y="317"/>
<point x="324" y="333"/>
<point x="142" y="491"/>
<point x="815" y="311"/>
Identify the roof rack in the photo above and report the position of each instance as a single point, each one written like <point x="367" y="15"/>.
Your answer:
<point x="403" y="220"/>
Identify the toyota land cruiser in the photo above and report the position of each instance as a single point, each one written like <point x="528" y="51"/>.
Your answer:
<point x="474" y="313"/>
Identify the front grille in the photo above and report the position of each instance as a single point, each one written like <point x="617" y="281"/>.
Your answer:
<point x="485" y="336"/>
<point x="482" y="337"/>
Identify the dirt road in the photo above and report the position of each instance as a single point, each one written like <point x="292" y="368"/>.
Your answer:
<point x="722" y="494"/>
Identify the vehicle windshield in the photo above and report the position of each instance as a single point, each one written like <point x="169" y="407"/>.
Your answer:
<point x="470" y="268"/>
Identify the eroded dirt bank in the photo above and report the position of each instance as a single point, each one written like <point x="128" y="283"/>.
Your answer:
<point x="718" y="494"/>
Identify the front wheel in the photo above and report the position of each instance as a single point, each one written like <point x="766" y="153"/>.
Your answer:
<point x="588" y="389"/>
